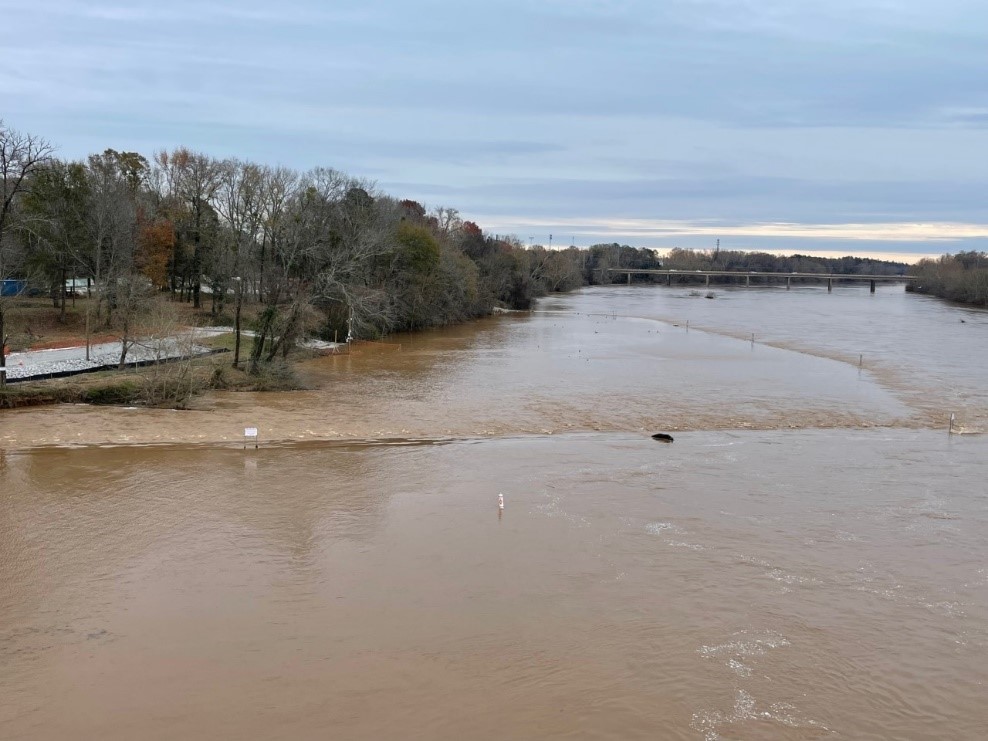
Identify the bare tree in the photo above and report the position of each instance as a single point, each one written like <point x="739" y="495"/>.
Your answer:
<point x="171" y="379"/>
<point x="133" y="298"/>
<point x="193" y="178"/>
<point x="323" y="249"/>
<point x="240" y="201"/>
<point x="112" y="226"/>
<point x="358" y="231"/>
<point x="280" y="186"/>
<point x="447" y="219"/>
<point x="21" y="155"/>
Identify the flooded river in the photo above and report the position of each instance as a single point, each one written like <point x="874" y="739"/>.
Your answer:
<point x="807" y="560"/>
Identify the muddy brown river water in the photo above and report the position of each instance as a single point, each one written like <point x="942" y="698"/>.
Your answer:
<point x="808" y="559"/>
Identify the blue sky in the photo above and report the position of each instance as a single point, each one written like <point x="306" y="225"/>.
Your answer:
<point x="855" y="127"/>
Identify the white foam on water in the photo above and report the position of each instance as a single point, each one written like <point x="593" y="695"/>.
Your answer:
<point x="746" y="643"/>
<point x="669" y="528"/>
<point x="710" y="722"/>
<point x="789" y="579"/>
<point x="550" y="507"/>
<point x="664" y="528"/>
<point x="751" y="645"/>
<point x="688" y="546"/>
<point x="738" y="668"/>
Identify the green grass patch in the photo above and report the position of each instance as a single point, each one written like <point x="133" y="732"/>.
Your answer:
<point x="120" y="391"/>
<point x="227" y="342"/>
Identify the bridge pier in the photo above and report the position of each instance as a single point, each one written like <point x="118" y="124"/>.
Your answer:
<point x="830" y="285"/>
<point x="788" y="283"/>
<point x="708" y="280"/>
<point x="629" y="277"/>
<point x="747" y="281"/>
<point x="872" y="286"/>
<point x="669" y="279"/>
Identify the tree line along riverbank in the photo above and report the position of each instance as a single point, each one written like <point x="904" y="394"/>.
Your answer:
<point x="962" y="277"/>
<point x="123" y="246"/>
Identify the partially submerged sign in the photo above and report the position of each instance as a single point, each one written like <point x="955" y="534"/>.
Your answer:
<point x="250" y="435"/>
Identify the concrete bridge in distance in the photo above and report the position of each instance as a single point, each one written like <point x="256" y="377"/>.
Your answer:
<point x="749" y="274"/>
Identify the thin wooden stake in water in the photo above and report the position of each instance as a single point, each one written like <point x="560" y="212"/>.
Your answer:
<point x="860" y="360"/>
<point x="950" y="425"/>
<point x="687" y="325"/>
<point x="752" y="339"/>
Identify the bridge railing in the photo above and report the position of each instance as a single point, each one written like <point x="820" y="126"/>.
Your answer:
<point x="761" y="274"/>
<point x="749" y="274"/>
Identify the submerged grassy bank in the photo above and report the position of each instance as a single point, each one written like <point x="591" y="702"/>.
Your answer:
<point x="35" y="324"/>
<point x="171" y="384"/>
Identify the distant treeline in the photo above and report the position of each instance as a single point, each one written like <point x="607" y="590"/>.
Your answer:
<point x="962" y="277"/>
<point x="765" y="263"/>
<point x="600" y="258"/>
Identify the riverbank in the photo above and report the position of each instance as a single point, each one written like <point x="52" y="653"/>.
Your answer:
<point x="170" y="382"/>
<point x="962" y="278"/>
<point x="617" y="359"/>
<point x="170" y="357"/>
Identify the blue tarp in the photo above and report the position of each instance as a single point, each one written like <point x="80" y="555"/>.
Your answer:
<point x="12" y="287"/>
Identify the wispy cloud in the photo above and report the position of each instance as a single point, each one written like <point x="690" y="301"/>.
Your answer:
<point x="643" y="229"/>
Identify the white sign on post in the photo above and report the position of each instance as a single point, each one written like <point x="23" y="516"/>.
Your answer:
<point x="250" y="435"/>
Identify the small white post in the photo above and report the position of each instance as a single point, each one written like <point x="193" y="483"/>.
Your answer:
<point x="250" y="434"/>
<point x="950" y="425"/>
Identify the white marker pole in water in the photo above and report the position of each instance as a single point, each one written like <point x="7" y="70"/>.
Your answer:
<point x="950" y="425"/>
<point x="500" y="501"/>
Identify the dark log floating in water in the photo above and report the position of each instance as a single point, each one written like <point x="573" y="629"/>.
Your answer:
<point x="662" y="437"/>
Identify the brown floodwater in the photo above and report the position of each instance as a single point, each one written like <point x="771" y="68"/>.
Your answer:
<point x="807" y="560"/>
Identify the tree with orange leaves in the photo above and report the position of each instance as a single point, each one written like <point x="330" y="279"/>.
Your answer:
<point x="155" y="242"/>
